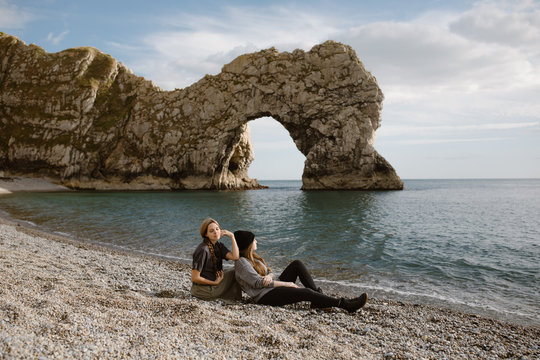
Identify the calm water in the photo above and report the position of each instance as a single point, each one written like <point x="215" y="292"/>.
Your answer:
<point x="472" y="245"/>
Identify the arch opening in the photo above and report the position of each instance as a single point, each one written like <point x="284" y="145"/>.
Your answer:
<point x="276" y="156"/>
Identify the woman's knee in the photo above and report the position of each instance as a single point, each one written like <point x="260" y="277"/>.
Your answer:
<point x="203" y="292"/>
<point x="297" y="263"/>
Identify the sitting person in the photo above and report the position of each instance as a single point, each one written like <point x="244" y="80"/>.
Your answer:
<point x="260" y="284"/>
<point x="209" y="281"/>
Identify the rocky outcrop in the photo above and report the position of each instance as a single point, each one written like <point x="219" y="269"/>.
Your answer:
<point x="83" y="118"/>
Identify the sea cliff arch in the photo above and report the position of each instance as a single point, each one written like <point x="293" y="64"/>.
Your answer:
<point x="325" y="99"/>
<point x="91" y="123"/>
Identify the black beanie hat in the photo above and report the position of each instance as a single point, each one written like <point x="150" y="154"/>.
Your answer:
<point x="243" y="239"/>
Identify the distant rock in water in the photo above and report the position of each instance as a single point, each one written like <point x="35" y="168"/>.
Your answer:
<point x="82" y="118"/>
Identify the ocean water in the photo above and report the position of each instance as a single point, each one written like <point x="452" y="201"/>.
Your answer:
<point x="471" y="245"/>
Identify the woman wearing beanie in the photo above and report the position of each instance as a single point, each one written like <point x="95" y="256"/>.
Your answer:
<point x="259" y="283"/>
<point x="209" y="281"/>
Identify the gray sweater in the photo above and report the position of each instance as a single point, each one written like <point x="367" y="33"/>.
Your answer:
<point x="249" y="279"/>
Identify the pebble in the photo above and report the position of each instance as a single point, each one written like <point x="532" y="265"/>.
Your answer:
<point x="111" y="305"/>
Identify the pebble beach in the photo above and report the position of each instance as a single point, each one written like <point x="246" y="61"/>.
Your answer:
<point x="67" y="300"/>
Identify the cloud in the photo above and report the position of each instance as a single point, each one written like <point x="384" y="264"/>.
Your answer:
<point x="56" y="39"/>
<point x="12" y="17"/>
<point x="287" y="26"/>
<point x="440" y="71"/>
<point x="411" y="129"/>
<point x="416" y="58"/>
<point x="190" y="45"/>
<point x="125" y="47"/>
<point x="442" y="141"/>
<point x="408" y="134"/>
<point x="504" y="23"/>
<point x="440" y="62"/>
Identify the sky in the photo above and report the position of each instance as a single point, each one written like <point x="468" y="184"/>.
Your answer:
<point x="461" y="79"/>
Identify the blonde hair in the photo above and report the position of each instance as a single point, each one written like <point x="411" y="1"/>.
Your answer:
<point x="204" y="229"/>
<point x="251" y="255"/>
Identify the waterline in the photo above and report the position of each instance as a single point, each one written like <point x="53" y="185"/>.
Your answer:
<point x="464" y="244"/>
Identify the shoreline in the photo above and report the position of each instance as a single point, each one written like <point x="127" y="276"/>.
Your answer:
<point x="11" y="184"/>
<point x="68" y="299"/>
<point x="337" y="288"/>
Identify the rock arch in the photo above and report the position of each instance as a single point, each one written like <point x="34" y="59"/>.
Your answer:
<point x="81" y="117"/>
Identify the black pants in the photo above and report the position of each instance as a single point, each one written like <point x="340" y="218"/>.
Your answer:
<point x="286" y="295"/>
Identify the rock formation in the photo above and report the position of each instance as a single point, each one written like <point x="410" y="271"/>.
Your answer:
<point x="84" y="119"/>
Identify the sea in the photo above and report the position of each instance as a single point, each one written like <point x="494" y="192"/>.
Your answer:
<point x="468" y="245"/>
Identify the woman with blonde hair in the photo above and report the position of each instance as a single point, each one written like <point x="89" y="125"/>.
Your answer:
<point x="259" y="283"/>
<point x="209" y="281"/>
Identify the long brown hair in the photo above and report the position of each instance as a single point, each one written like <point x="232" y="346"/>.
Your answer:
<point x="204" y="230"/>
<point x="251" y="255"/>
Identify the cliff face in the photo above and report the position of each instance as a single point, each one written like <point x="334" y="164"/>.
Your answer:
<point x="82" y="118"/>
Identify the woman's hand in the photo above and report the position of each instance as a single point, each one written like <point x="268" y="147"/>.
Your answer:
<point x="278" y="283"/>
<point x="267" y="280"/>
<point x="219" y="277"/>
<point x="227" y="233"/>
<point x="290" y="284"/>
<point x="235" y="253"/>
<point x="198" y="279"/>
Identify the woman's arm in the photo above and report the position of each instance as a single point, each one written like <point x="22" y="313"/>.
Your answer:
<point x="198" y="279"/>
<point x="268" y="279"/>
<point x="245" y="272"/>
<point x="235" y="253"/>
<point x="284" y="284"/>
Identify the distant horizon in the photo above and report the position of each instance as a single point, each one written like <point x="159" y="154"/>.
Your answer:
<point x="405" y="179"/>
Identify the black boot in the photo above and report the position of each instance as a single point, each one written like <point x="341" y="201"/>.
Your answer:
<point x="351" y="305"/>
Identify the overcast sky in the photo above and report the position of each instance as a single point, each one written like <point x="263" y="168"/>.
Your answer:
<point x="461" y="78"/>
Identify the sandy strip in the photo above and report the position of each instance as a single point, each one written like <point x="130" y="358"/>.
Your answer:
<point x="62" y="299"/>
<point x="19" y="184"/>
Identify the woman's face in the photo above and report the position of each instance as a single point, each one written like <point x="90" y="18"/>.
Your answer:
<point x="213" y="232"/>
<point x="254" y="244"/>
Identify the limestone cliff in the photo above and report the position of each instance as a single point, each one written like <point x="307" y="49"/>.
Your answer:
<point x="82" y="118"/>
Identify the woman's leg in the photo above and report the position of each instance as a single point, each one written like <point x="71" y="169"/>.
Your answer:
<point x="203" y="292"/>
<point x="296" y="270"/>
<point x="228" y="288"/>
<point x="285" y="295"/>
